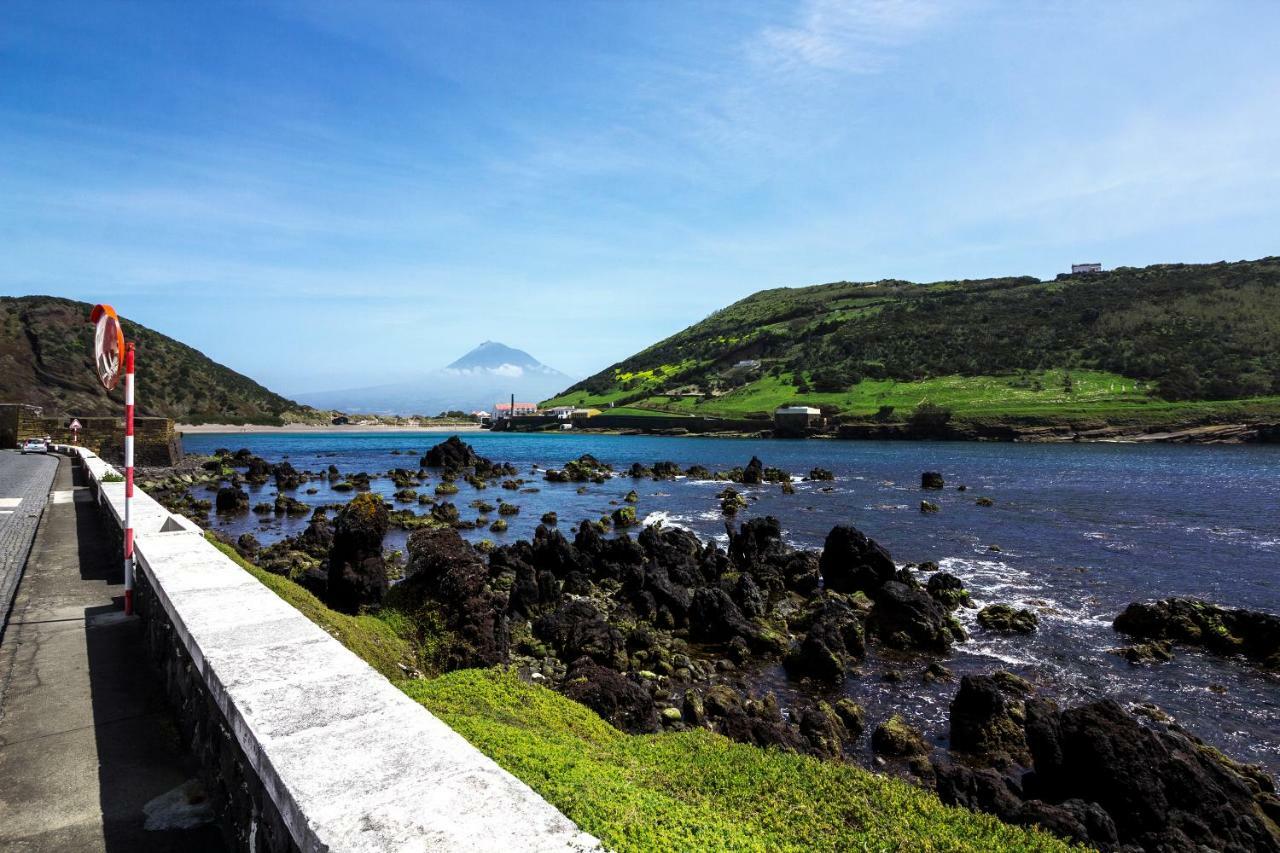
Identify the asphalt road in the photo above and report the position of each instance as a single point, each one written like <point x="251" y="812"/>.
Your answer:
<point x="24" y="490"/>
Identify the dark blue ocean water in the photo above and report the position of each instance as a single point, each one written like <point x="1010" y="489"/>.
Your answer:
<point x="1082" y="530"/>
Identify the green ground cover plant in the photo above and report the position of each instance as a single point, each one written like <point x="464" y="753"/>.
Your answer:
<point x="692" y="790"/>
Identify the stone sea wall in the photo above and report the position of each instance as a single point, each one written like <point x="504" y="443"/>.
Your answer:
<point x="156" y="441"/>
<point x="302" y="745"/>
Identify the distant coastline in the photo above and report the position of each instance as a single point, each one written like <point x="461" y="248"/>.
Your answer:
<point x="323" y="428"/>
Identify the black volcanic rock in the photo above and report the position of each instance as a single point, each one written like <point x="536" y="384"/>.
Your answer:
<point x="833" y="639"/>
<point x="357" y="570"/>
<point x="577" y="629"/>
<point x="1006" y="619"/>
<point x="452" y="454"/>
<point x="448" y="575"/>
<point x="987" y="716"/>
<point x="911" y="619"/>
<point x="852" y="562"/>
<point x="231" y="499"/>
<point x="1220" y="630"/>
<point x="620" y="701"/>
<point x="1096" y="775"/>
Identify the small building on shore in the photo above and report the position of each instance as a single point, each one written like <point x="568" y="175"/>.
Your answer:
<point x="561" y="412"/>
<point x="796" y="420"/>
<point x="507" y="410"/>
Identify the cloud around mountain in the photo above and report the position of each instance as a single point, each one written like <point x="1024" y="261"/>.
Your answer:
<point x="485" y="376"/>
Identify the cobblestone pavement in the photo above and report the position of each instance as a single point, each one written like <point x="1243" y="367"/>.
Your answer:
<point x="24" y="488"/>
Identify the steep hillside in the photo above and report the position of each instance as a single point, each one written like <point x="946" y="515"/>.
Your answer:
<point x="46" y="359"/>
<point x="1166" y="340"/>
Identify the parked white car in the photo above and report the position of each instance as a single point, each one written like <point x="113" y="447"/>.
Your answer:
<point x="34" y="445"/>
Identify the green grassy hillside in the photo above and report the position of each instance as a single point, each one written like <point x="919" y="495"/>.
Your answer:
<point x="1156" y="344"/>
<point x="46" y="359"/>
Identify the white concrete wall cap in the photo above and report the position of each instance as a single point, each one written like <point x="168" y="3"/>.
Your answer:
<point x="351" y="762"/>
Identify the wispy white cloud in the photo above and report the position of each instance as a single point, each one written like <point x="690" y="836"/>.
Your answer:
<point x="847" y="36"/>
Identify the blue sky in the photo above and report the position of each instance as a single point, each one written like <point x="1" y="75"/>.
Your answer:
<point x="332" y="194"/>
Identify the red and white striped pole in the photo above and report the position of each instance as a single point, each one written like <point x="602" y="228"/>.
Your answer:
<point x="128" y="479"/>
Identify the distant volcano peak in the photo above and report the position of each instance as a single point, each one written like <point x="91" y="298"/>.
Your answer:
<point x="491" y="355"/>
<point x="487" y="375"/>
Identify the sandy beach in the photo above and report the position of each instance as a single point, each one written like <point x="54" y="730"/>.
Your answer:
<point x="323" y="428"/>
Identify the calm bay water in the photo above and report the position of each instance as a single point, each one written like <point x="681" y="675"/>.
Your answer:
<point x="1082" y="530"/>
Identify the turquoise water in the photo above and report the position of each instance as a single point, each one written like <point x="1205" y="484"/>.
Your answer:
<point x="1082" y="530"/>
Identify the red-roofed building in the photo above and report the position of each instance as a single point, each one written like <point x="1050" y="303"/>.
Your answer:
<point x="504" y="409"/>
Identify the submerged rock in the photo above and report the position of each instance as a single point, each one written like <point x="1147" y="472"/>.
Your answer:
<point x="1154" y="651"/>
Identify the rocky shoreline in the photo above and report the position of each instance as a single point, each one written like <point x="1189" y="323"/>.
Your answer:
<point x="662" y="632"/>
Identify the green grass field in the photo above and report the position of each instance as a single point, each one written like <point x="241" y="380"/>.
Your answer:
<point x="1047" y="395"/>
<point x="691" y="790"/>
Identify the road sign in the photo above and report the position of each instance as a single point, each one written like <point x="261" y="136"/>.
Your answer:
<point x="75" y="424"/>
<point x="108" y="345"/>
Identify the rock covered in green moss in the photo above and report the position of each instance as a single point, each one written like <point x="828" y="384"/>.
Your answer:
<point x="1152" y="651"/>
<point x="357" y="570"/>
<point x="896" y="738"/>
<point x="987" y="719"/>
<point x="1008" y="619"/>
<point x="1220" y="630"/>
<point x="291" y="506"/>
<point x="731" y="501"/>
<point x="948" y="590"/>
